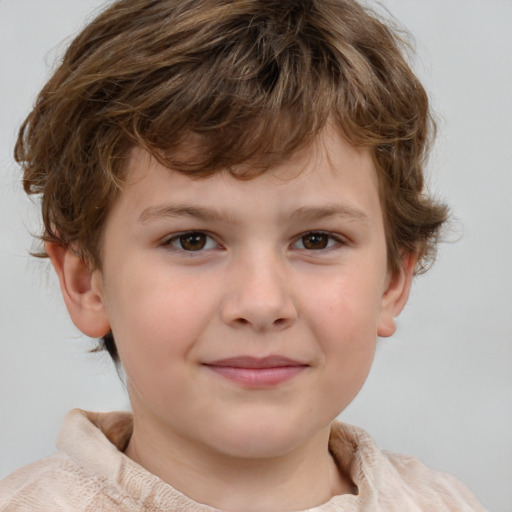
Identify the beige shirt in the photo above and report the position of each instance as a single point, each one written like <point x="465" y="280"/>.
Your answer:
<point x="90" y="473"/>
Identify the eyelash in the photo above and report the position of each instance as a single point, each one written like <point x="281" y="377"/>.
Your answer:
<point x="178" y="238"/>
<point x="333" y="241"/>
<point x="176" y="241"/>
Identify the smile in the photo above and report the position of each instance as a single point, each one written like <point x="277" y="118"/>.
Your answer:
<point x="257" y="372"/>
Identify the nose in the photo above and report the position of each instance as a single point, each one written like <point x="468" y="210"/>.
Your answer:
<point x="260" y="295"/>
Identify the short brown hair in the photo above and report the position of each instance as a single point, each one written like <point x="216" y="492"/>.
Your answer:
<point x="252" y="81"/>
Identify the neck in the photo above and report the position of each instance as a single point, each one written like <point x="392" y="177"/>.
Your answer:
<point x="303" y="478"/>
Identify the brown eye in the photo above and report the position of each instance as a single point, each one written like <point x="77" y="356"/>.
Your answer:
<point x="194" y="241"/>
<point x="315" y="241"/>
<point x="191" y="241"/>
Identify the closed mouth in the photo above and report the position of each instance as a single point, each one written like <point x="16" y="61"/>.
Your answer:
<point x="273" y="361"/>
<point x="257" y="372"/>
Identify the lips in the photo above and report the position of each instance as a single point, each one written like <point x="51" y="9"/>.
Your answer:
<point x="257" y="372"/>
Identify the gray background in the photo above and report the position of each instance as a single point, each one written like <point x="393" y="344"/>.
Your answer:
<point x="441" y="389"/>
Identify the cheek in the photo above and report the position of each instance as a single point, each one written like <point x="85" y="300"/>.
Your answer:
<point x="346" y="306"/>
<point x="157" y="316"/>
<point x="345" y="315"/>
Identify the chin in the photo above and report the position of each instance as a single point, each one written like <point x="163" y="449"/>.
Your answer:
<point x="261" y="438"/>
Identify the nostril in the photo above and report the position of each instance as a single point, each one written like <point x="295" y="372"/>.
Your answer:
<point x="280" y="321"/>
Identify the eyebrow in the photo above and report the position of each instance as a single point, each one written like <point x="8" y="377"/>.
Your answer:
<point x="310" y="213"/>
<point x="196" y="212"/>
<point x="331" y="210"/>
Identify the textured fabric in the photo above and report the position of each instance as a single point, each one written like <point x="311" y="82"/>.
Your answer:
<point x="90" y="473"/>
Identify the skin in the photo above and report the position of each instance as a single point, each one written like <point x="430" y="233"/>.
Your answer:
<point x="293" y="265"/>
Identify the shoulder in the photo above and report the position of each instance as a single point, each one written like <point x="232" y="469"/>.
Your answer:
<point x="393" y="482"/>
<point x="55" y="483"/>
<point x="39" y="483"/>
<point x="436" y="488"/>
<point x="81" y="476"/>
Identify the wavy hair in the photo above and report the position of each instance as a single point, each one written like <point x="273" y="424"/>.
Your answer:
<point x="251" y="82"/>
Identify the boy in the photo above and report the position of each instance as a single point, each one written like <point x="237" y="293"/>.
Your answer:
<point x="233" y="201"/>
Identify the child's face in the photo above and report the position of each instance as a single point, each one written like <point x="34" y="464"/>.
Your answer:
<point x="246" y="312"/>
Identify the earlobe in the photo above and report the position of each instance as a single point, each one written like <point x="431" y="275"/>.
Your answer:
<point x="81" y="289"/>
<point x="396" y="294"/>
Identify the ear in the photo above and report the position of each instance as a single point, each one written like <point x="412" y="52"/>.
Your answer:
<point x="81" y="288"/>
<point x="396" y="294"/>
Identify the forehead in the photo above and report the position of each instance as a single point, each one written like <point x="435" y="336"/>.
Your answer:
<point x="329" y="152"/>
<point x="329" y="174"/>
